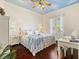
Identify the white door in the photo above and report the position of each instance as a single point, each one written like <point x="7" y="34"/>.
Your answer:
<point x="4" y="31"/>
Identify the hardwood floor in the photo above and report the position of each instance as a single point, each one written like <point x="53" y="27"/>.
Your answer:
<point x="23" y="53"/>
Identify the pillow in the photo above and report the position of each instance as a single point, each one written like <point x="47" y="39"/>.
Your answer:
<point x="32" y="32"/>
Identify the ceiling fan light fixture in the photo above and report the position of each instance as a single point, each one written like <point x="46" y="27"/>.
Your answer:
<point x="42" y="4"/>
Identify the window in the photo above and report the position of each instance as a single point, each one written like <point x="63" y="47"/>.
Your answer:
<point x="57" y="26"/>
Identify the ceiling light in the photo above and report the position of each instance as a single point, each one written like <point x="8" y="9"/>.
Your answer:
<point x="42" y="4"/>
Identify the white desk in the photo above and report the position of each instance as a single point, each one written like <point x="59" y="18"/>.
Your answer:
<point x="66" y="43"/>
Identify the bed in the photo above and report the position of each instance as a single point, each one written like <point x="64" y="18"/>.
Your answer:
<point x="37" y="42"/>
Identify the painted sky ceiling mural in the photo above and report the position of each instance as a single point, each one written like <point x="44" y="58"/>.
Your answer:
<point x="55" y="5"/>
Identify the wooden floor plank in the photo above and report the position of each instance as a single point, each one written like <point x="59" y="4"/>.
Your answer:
<point x="23" y="53"/>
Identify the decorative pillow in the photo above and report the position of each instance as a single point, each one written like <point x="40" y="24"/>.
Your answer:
<point x="30" y="32"/>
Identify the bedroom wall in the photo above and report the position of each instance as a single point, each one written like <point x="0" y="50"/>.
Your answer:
<point x="20" y="17"/>
<point x="71" y="18"/>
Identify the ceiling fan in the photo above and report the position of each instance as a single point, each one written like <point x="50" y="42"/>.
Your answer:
<point x="42" y="4"/>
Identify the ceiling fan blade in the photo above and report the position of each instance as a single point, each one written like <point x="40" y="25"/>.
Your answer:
<point x="34" y="7"/>
<point x="33" y="0"/>
<point x="36" y="3"/>
<point x="47" y="4"/>
<point x="42" y="0"/>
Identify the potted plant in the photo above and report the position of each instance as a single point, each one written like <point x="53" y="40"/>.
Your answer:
<point x="2" y="12"/>
<point x="7" y="53"/>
